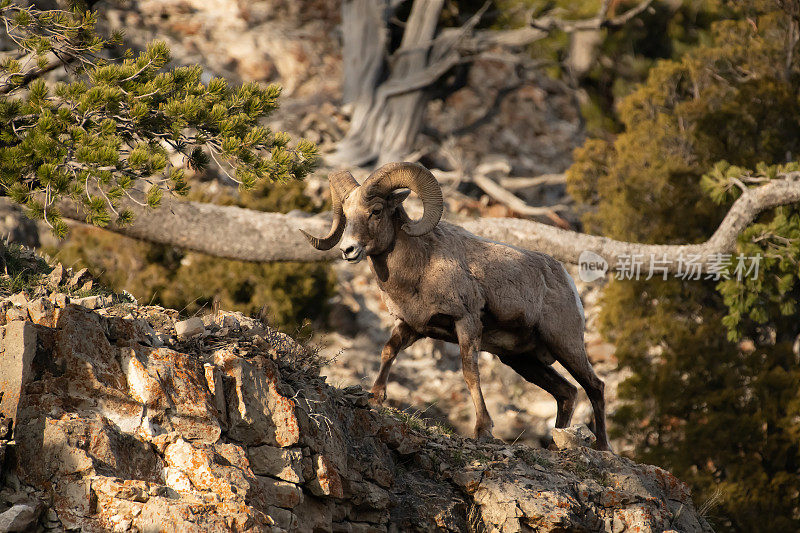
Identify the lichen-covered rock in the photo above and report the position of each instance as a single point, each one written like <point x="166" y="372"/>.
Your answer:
<point x="41" y="311"/>
<point x="117" y="431"/>
<point x="257" y="412"/>
<point x="209" y="470"/>
<point x="326" y="481"/>
<point x="175" y="391"/>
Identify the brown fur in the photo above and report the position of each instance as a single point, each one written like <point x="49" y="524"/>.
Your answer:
<point x="450" y="284"/>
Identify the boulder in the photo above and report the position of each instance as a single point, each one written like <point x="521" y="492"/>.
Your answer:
<point x="327" y="481"/>
<point x="281" y="463"/>
<point x="19" y="518"/>
<point x="281" y="493"/>
<point x="56" y="277"/>
<point x="573" y="437"/>
<point x="79" y="278"/>
<point x="257" y="412"/>
<point x="41" y="311"/>
<point x="190" y="327"/>
<point x="18" y="350"/>
<point x="93" y="302"/>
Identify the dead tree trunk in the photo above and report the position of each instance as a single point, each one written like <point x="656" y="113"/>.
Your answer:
<point x="364" y="45"/>
<point x="385" y="120"/>
<point x="389" y="90"/>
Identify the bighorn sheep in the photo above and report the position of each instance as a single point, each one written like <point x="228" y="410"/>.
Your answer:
<point x="443" y="282"/>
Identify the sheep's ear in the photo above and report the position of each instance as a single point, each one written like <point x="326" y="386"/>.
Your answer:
<point x="396" y="198"/>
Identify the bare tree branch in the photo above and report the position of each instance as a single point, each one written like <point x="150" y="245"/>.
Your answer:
<point x="495" y="191"/>
<point x="485" y="39"/>
<point x="222" y="231"/>
<point x="510" y="183"/>
<point x="419" y="79"/>
<point x="236" y="233"/>
<point x="498" y="193"/>
<point x="626" y="17"/>
<point x="480" y="177"/>
<point x="549" y="23"/>
<point x="542" y="27"/>
<point x="524" y="183"/>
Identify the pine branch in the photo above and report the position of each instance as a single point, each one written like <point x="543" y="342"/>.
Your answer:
<point x="36" y="73"/>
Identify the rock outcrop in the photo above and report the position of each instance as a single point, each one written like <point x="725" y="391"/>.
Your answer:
<point x="123" y="425"/>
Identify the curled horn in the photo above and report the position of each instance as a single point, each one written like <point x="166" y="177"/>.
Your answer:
<point x="342" y="184"/>
<point x="420" y="180"/>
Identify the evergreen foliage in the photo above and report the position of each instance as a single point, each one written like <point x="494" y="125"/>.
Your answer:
<point x="123" y="130"/>
<point x="624" y="54"/>
<point x="714" y="393"/>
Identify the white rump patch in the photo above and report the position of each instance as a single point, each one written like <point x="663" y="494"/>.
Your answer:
<point x="575" y="292"/>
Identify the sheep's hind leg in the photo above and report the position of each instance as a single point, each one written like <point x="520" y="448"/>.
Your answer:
<point x="571" y="353"/>
<point x="402" y="337"/>
<point x="468" y="331"/>
<point x="545" y="376"/>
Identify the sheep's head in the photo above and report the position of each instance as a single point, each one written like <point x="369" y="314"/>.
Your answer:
<point x="364" y="216"/>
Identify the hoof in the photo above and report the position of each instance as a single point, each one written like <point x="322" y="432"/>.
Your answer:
<point x="377" y="398"/>
<point x="489" y="439"/>
<point x="485" y="435"/>
<point x="606" y="448"/>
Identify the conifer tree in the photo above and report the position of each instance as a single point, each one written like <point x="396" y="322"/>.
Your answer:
<point x="714" y="393"/>
<point x="122" y="130"/>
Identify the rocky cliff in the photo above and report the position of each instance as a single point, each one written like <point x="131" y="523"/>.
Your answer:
<point x="128" y="419"/>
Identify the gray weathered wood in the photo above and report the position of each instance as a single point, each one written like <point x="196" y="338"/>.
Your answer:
<point x="364" y="41"/>
<point x="244" y="234"/>
<point x="384" y="126"/>
<point x="387" y="115"/>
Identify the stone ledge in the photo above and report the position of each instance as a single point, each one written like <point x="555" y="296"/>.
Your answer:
<point x="226" y="431"/>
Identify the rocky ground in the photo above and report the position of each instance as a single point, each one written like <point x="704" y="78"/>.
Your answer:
<point x="126" y="418"/>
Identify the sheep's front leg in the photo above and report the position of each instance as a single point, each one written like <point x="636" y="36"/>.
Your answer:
<point x="402" y="337"/>
<point x="469" y="331"/>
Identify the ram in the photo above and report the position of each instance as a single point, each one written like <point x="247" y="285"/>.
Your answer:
<point x="440" y="281"/>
